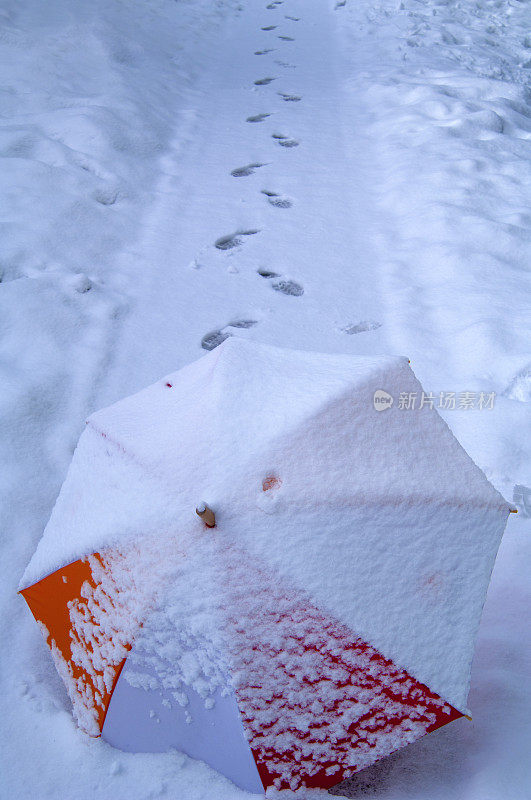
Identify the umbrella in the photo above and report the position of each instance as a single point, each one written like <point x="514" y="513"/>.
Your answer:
<point x="266" y="562"/>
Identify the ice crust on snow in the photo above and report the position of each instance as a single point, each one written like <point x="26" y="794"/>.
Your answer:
<point x="382" y="518"/>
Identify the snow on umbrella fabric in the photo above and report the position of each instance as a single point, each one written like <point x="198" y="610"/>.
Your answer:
<point x="329" y="617"/>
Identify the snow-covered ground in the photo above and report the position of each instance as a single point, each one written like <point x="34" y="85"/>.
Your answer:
<point x="349" y="177"/>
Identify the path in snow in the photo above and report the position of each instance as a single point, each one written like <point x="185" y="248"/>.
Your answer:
<point x="256" y="231"/>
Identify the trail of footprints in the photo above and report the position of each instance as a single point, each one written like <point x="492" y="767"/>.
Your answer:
<point x="278" y="282"/>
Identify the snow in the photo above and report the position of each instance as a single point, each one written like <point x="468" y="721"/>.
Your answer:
<point x="405" y="163"/>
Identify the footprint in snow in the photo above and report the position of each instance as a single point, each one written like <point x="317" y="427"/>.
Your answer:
<point x="243" y="323"/>
<point x="248" y="169"/>
<point x="265" y="273"/>
<point x="288" y="287"/>
<point x="286" y="38"/>
<point x="264" y="81"/>
<point x="277" y="200"/>
<point x="258" y="118"/>
<point x="361" y="327"/>
<point x="295" y="19"/>
<point x="285" y="64"/>
<point x="105" y="196"/>
<point x="269" y="27"/>
<point x="285" y="141"/>
<point x="263" y="52"/>
<point x="289" y="98"/>
<point x="233" y="239"/>
<point x="213" y="339"/>
<point x="282" y="285"/>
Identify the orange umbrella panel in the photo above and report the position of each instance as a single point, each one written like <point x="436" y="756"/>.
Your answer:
<point x="70" y="607"/>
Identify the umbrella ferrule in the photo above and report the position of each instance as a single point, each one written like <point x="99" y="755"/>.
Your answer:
<point x="206" y="514"/>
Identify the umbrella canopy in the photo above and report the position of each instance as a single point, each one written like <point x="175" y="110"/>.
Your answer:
<point x="327" y="619"/>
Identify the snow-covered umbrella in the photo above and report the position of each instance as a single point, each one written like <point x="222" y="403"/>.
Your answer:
<point x="265" y="562"/>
